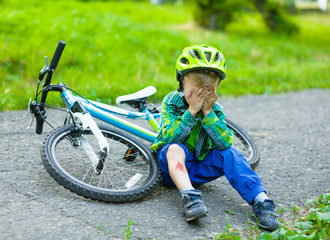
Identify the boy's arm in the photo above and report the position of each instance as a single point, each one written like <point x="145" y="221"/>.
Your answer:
<point x="215" y="126"/>
<point x="175" y="127"/>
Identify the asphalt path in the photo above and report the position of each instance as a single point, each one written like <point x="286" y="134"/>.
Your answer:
<point x="292" y="132"/>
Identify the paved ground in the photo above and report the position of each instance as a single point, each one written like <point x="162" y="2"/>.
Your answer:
<point x="291" y="130"/>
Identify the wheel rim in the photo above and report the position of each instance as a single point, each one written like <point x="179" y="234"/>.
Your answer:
<point x="243" y="144"/>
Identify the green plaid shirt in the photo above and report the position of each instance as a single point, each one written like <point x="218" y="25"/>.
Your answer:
<point x="199" y="134"/>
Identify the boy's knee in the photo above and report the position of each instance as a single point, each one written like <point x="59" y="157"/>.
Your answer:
<point x="231" y="153"/>
<point x="176" y="151"/>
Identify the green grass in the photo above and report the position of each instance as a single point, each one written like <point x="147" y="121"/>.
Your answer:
<point x="127" y="233"/>
<point x="116" y="48"/>
<point x="311" y="222"/>
<point x="300" y="223"/>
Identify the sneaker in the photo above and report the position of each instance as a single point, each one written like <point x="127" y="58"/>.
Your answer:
<point x="264" y="212"/>
<point x="193" y="205"/>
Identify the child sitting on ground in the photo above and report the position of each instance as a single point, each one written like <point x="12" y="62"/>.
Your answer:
<point x="194" y="143"/>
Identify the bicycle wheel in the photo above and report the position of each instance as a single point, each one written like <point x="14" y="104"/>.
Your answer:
<point x="130" y="171"/>
<point x="245" y="144"/>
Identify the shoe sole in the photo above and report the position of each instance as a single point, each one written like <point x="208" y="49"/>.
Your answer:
<point x="197" y="216"/>
<point x="266" y="228"/>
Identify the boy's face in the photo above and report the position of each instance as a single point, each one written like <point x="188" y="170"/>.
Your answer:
<point x="191" y="83"/>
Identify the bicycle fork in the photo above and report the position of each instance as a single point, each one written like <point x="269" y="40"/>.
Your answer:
<point x="87" y="122"/>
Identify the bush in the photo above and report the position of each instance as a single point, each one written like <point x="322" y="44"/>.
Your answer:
<point x="217" y="14"/>
<point x="275" y="17"/>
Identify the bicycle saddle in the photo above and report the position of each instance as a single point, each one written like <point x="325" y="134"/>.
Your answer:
<point x="137" y="96"/>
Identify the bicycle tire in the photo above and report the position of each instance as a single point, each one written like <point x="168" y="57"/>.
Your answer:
<point x="244" y="143"/>
<point x="75" y="172"/>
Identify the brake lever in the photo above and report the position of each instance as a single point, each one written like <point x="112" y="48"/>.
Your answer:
<point x="31" y="122"/>
<point x="32" y="115"/>
<point x="44" y="70"/>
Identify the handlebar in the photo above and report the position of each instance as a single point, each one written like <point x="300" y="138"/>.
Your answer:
<point x="41" y="114"/>
<point x="57" y="55"/>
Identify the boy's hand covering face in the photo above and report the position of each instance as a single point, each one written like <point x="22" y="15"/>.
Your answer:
<point x="201" y="99"/>
<point x="200" y="93"/>
<point x="195" y="98"/>
<point x="209" y="100"/>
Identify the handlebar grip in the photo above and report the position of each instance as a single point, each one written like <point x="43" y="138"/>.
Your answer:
<point x="57" y="54"/>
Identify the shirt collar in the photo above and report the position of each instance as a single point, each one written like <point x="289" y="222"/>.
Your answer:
<point x="178" y="100"/>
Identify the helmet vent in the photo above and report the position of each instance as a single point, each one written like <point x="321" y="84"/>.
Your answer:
<point x="208" y="55"/>
<point x="197" y="54"/>
<point x="191" y="53"/>
<point x="218" y="56"/>
<point x="184" y="60"/>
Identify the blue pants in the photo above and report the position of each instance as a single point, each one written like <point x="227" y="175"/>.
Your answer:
<point x="229" y="162"/>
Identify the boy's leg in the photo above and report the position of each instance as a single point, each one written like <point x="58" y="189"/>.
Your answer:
<point x="176" y="158"/>
<point x="172" y="159"/>
<point x="238" y="172"/>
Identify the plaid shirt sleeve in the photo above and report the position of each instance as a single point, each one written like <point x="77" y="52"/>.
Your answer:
<point x="175" y="126"/>
<point x="215" y="126"/>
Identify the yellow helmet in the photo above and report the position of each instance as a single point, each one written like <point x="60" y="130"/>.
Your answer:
<point x="198" y="57"/>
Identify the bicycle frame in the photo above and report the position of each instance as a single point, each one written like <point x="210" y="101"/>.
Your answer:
<point x="107" y="113"/>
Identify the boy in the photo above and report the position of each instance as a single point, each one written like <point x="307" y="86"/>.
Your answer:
<point x="194" y="144"/>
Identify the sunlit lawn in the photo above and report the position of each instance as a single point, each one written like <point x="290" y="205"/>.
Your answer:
<point x="116" y="48"/>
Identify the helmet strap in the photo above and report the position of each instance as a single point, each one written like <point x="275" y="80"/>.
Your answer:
<point x="180" y="89"/>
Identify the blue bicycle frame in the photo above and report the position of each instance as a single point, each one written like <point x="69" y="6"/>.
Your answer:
<point x="107" y="113"/>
